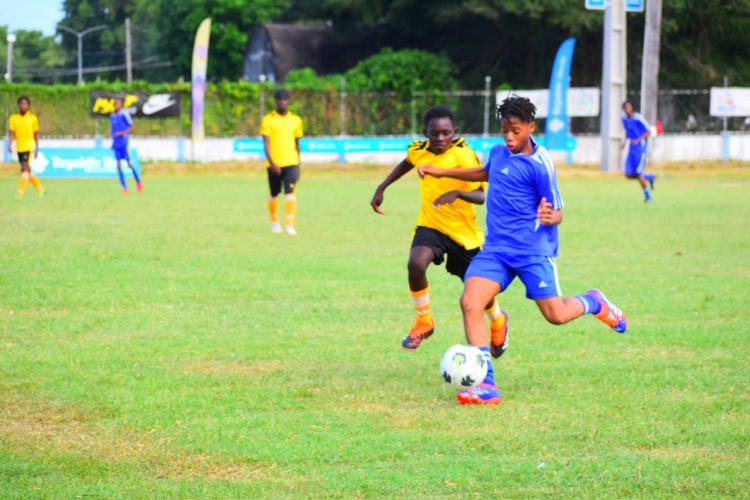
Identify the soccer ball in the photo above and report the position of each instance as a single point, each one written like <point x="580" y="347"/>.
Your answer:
<point x="463" y="366"/>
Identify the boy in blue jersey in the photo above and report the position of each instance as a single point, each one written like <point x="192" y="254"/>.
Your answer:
<point x="122" y="126"/>
<point x="524" y="208"/>
<point x="637" y="131"/>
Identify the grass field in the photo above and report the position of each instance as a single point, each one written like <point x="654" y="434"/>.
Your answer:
<point x="167" y="345"/>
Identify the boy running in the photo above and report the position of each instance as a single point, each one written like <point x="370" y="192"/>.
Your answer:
<point x="281" y="130"/>
<point x="24" y="129"/>
<point x="122" y="126"/>
<point x="447" y="222"/>
<point x="524" y="208"/>
<point x="637" y="131"/>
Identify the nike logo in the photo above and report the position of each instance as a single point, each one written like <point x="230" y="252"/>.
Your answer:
<point x="156" y="103"/>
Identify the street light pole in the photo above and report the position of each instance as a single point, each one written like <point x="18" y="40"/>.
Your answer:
<point x="11" y="38"/>
<point x="80" y="35"/>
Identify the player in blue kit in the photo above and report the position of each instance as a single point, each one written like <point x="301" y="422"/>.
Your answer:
<point x="637" y="131"/>
<point x="122" y="126"/>
<point x="524" y="208"/>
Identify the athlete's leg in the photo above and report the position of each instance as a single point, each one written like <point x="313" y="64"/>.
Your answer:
<point x="25" y="175"/>
<point x="420" y="258"/>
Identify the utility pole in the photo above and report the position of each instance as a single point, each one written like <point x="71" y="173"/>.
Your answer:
<point x="11" y="38"/>
<point x="128" y="53"/>
<point x="487" y="97"/>
<point x="650" y="68"/>
<point x="613" y="83"/>
<point x="80" y="35"/>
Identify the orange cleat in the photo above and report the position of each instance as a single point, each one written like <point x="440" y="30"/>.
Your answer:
<point x="499" y="338"/>
<point x="419" y="332"/>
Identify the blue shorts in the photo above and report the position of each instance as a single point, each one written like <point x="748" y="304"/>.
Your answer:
<point x="538" y="273"/>
<point x="121" y="153"/>
<point x="636" y="161"/>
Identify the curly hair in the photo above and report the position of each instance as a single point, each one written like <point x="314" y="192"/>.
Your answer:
<point x="520" y="107"/>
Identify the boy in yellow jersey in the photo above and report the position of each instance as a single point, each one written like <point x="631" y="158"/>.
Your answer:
<point x="24" y="129"/>
<point x="281" y="130"/>
<point x="447" y="222"/>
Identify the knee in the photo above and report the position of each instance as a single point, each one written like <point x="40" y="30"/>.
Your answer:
<point x="631" y="176"/>
<point x="471" y="306"/>
<point x="417" y="266"/>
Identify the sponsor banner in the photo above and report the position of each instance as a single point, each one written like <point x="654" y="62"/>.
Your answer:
<point x="582" y="101"/>
<point x="556" y="125"/>
<point x="730" y="101"/>
<point x="198" y="80"/>
<point x="138" y="104"/>
<point x="90" y="163"/>
<point x="342" y="146"/>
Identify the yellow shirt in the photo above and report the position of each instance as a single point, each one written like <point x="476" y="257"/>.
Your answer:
<point x="282" y="132"/>
<point x="23" y="127"/>
<point x="459" y="219"/>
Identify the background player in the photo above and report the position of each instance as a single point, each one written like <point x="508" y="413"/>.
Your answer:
<point x="281" y="130"/>
<point x="637" y="131"/>
<point x="447" y="222"/>
<point x="122" y="126"/>
<point x="24" y="129"/>
<point x="524" y="208"/>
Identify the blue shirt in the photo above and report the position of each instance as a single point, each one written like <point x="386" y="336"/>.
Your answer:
<point x="120" y="123"/>
<point x="634" y="128"/>
<point x="518" y="182"/>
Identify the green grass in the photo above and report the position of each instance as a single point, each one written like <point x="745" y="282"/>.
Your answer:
<point x="167" y="345"/>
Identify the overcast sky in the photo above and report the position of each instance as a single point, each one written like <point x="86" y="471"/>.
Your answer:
<point x="42" y="15"/>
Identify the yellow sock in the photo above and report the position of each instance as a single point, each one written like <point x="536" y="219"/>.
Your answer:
<point x="421" y="299"/>
<point x="496" y="317"/>
<point x="36" y="183"/>
<point x="23" y="183"/>
<point x="290" y="209"/>
<point x="273" y="209"/>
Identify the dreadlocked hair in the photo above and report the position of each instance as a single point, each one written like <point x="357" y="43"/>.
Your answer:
<point x="520" y="107"/>
<point x="438" y="112"/>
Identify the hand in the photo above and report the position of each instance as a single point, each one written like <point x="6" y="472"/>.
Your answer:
<point x="634" y="141"/>
<point x="10" y="148"/>
<point x="424" y="170"/>
<point x="377" y="200"/>
<point x="622" y="146"/>
<point x="36" y="152"/>
<point x="544" y="213"/>
<point x="446" y="198"/>
<point x="274" y="169"/>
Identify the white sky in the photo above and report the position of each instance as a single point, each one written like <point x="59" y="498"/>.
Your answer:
<point x="42" y="15"/>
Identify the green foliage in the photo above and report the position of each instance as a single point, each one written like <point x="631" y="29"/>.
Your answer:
<point x="403" y="71"/>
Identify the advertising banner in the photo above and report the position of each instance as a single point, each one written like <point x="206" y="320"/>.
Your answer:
<point x="88" y="163"/>
<point x="139" y="104"/>
<point x="730" y="101"/>
<point x="198" y="86"/>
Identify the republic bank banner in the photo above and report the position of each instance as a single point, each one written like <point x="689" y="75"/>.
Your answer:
<point x="139" y="104"/>
<point x="80" y="163"/>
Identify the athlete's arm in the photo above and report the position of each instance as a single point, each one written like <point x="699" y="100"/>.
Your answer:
<point x="276" y="170"/>
<point x="476" y="174"/>
<point x="476" y="197"/>
<point x="546" y="215"/>
<point x="645" y="136"/>
<point x="11" y="138"/>
<point x="36" y="144"/>
<point x="398" y="172"/>
<point x="296" y="143"/>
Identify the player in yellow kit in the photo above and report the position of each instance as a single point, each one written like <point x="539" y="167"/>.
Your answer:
<point x="281" y="130"/>
<point x="447" y="223"/>
<point x="24" y="129"/>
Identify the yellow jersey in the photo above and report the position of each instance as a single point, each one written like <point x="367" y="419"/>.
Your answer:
<point x="282" y="132"/>
<point x="458" y="220"/>
<point x="23" y="127"/>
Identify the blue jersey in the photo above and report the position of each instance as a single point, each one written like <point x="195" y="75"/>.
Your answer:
<point x="518" y="182"/>
<point x="634" y="128"/>
<point x="120" y="123"/>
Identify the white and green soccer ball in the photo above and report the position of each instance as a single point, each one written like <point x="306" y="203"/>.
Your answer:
<point x="463" y="366"/>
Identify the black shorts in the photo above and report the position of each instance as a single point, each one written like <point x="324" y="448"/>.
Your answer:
<point x="288" y="177"/>
<point x="24" y="157"/>
<point x="441" y="245"/>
